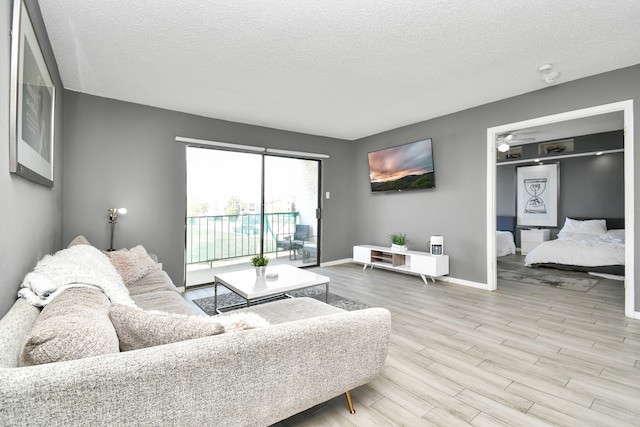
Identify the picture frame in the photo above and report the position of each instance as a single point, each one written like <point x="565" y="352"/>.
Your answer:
<point x="537" y="195"/>
<point x="32" y="98"/>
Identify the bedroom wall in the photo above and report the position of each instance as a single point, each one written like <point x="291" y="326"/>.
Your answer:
<point x="120" y="154"/>
<point x="589" y="186"/>
<point x="456" y="208"/>
<point x="31" y="214"/>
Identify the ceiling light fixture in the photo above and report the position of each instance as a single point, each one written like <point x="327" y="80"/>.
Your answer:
<point x="503" y="147"/>
<point x="503" y="142"/>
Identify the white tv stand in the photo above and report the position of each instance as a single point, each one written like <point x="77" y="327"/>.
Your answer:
<point x="421" y="263"/>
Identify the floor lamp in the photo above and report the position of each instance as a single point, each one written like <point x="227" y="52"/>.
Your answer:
<point x="113" y="220"/>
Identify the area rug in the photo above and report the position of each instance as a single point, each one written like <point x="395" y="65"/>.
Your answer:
<point x="555" y="280"/>
<point x="230" y="299"/>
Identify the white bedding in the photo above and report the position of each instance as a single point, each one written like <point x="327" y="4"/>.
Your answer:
<point x="580" y="249"/>
<point x="505" y="244"/>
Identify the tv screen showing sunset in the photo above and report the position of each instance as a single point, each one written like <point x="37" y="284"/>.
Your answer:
<point x="405" y="167"/>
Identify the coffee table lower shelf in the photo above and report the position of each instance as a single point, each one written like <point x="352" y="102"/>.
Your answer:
<point x="258" y="301"/>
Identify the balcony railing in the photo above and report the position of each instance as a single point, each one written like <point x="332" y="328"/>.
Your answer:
<point x="223" y="237"/>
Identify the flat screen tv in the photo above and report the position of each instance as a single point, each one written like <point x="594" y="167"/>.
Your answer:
<point x="405" y="167"/>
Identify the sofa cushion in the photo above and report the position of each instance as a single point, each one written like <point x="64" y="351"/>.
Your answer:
<point x="74" y="325"/>
<point x="157" y="280"/>
<point x="166" y="301"/>
<point x="292" y="309"/>
<point x="137" y="328"/>
<point x="132" y="264"/>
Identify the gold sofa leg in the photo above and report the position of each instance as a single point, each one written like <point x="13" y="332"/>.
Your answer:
<point x="350" y="402"/>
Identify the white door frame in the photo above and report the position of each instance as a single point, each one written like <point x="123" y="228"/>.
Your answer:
<point x="627" y="108"/>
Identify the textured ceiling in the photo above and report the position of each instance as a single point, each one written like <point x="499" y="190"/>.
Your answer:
<point x="345" y="69"/>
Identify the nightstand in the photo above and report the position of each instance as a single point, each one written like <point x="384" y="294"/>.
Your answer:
<point x="529" y="239"/>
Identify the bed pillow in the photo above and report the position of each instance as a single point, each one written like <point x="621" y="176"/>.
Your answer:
<point x="73" y="326"/>
<point x="594" y="227"/>
<point x="617" y="235"/>
<point x="132" y="264"/>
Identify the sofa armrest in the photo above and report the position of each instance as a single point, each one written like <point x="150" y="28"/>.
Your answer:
<point x="15" y="327"/>
<point x="255" y="377"/>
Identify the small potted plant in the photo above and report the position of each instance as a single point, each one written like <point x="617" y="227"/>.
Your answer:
<point x="398" y="241"/>
<point x="260" y="263"/>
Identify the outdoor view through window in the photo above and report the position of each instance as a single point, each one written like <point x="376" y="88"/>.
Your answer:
<point x="224" y="213"/>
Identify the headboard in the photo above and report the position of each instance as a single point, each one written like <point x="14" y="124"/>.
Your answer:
<point x="506" y="223"/>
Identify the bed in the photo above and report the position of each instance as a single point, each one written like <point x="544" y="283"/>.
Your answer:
<point x="505" y="244"/>
<point x="591" y="245"/>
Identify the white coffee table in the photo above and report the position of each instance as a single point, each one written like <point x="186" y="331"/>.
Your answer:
<point x="246" y="284"/>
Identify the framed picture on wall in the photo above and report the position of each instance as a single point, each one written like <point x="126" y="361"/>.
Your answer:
<point x="537" y="195"/>
<point x="32" y="112"/>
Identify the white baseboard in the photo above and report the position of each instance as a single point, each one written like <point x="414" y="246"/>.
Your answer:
<point x="463" y="282"/>
<point x="448" y="279"/>
<point x="635" y="315"/>
<point x="336" y="262"/>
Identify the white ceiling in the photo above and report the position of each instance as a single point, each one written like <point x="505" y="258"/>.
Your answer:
<point x="344" y="69"/>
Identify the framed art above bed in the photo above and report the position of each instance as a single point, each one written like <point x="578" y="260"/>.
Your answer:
<point x="537" y="195"/>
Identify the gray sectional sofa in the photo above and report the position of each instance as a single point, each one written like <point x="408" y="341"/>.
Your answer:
<point x="309" y="353"/>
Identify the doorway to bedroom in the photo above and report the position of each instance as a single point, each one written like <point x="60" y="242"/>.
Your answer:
<point x="625" y="109"/>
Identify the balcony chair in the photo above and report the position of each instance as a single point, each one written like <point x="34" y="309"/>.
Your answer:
<point x="292" y="242"/>
<point x="309" y="250"/>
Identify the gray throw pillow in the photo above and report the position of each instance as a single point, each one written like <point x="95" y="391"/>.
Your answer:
<point x="137" y="328"/>
<point x="74" y="325"/>
<point x="79" y="240"/>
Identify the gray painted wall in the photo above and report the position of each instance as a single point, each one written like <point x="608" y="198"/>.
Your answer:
<point x="456" y="208"/>
<point x="31" y="214"/>
<point x="120" y="154"/>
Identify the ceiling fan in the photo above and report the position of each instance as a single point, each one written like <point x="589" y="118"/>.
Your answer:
<point x="505" y="140"/>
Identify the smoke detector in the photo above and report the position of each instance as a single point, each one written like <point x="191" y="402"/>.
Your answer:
<point x="550" y="78"/>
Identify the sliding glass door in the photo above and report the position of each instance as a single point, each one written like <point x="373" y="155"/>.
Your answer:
<point x="240" y="204"/>
<point x="291" y="209"/>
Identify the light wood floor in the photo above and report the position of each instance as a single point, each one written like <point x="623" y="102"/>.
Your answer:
<point x="522" y="355"/>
